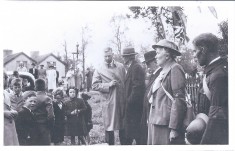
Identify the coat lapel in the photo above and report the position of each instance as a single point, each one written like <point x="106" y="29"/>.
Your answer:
<point x="129" y="69"/>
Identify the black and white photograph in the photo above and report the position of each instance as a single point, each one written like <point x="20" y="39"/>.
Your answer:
<point x="147" y="73"/>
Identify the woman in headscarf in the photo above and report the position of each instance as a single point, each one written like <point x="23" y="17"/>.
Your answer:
<point x="167" y="95"/>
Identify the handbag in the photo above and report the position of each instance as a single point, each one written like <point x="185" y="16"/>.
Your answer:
<point x="189" y="115"/>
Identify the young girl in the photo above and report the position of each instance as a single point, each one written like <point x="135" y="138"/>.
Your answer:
<point x="57" y="136"/>
<point x="74" y="110"/>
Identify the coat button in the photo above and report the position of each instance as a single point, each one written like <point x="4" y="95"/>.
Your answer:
<point x="153" y="107"/>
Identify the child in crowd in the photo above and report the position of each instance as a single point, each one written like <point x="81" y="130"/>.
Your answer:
<point x="74" y="110"/>
<point x="88" y="115"/>
<point x="25" y="121"/>
<point x="57" y="134"/>
<point x="16" y="97"/>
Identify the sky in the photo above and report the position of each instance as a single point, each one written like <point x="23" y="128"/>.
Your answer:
<point x="45" y="26"/>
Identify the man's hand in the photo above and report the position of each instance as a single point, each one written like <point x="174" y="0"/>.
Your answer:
<point x="173" y="135"/>
<point x="113" y="83"/>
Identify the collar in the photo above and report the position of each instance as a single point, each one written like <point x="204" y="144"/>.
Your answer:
<point x="214" y="63"/>
<point x="20" y="94"/>
<point x="214" y="60"/>
<point x="40" y="92"/>
<point x="112" y="64"/>
<point x="156" y="70"/>
<point x="27" y="108"/>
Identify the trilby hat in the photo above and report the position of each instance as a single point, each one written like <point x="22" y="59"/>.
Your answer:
<point x="149" y="56"/>
<point x="168" y="44"/>
<point x="128" y="51"/>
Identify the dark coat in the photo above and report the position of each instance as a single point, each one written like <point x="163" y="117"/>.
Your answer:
<point x="88" y="116"/>
<point x="24" y="126"/>
<point x="75" y="123"/>
<point x="44" y="118"/>
<point x="35" y="74"/>
<point x="134" y="95"/>
<point x="146" y="106"/>
<point x="89" y="79"/>
<point x="217" y="81"/>
<point x="58" y="130"/>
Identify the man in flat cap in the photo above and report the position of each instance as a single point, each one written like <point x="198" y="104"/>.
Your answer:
<point x="215" y="86"/>
<point x="154" y="70"/>
<point x="34" y="71"/>
<point x="108" y="79"/>
<point x="134" y="95"/>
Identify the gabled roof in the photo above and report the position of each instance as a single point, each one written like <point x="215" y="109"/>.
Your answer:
<point x="13" y="56"/>
<point x="41" y="58"/>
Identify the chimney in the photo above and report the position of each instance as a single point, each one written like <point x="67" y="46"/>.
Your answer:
<point x="7" y="52"/>
<point x="34" y="54"/>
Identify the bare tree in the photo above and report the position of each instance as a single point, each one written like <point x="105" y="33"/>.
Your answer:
<point x="119" y="27"/>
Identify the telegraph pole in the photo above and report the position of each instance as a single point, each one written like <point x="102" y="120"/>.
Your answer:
<point x="75" y="65"/>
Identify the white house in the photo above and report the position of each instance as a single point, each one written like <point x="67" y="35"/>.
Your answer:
<point x="12" y="61"/>
<point x="50" y="58"/>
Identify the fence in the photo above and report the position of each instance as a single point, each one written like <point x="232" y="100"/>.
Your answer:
<point x="192" y="87"/>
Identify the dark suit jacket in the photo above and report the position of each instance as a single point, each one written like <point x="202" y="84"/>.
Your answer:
<point x="134" y="94"/>
<point x="58" y="130"/>
<point x="24" y="126"/>
<point x="146" y="106"/>
<point x="217" y="82"/>
<point x="35" y="74"/>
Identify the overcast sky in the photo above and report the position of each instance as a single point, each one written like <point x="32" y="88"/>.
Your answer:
<point x="44" y="26"/>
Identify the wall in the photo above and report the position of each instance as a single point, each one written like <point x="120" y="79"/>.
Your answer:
<point x="59" y="66"/>
<point x="12" y="65"/>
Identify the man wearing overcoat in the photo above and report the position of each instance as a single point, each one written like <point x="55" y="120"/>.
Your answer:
<point x="108" y="79"/>
<point x="134" y="95"/>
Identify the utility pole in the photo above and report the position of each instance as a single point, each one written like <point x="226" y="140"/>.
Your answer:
<point x="75" y="65"/>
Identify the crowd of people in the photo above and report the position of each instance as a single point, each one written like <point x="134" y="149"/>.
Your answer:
<point x="146" y="107"/>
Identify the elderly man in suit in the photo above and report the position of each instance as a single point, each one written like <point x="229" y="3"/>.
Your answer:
<point x="215" y="86"/>
<point x="134" y="95"/>
<point x="154" y="70"/>
<point x="34" y="71"/>
<point x="108" y="79"/>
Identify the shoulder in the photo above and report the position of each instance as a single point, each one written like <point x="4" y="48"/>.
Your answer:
<point x="177" y="69"/>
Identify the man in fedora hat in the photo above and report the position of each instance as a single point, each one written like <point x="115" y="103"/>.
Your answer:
<point x="34" y="71"/>
<point x="109" y="80"/>
<point x="134" y="95"/>
<point x="154" y="69"/>
<point x="42" y="72"/>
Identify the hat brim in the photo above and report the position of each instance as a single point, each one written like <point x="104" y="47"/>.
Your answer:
<point x="146" y="61"/>
<point x="130" y="54"/>
<point x="177" y="53"/>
